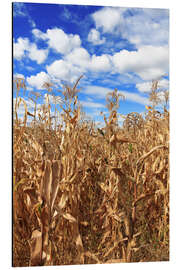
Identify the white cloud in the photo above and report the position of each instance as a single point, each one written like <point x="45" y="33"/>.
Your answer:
<point x="135" y="24"/>
<point x="146" y="86"/>
<point x="155" y="24"/>
<point x="20" y="47"/>
<point x="79" y="57"/>
<point x="94" y="37"/>
<point x="148" y="62"/>
<point x="29" y="68"/>
<point x="33" y="24"/>
<point x="163" y="84"/>
<point x="38" y="80"/>
<point x="39" y="34"/>
<point x="100" y="63"/>
<point x="108" y="18"/>
<point x="62" y="42"/>
<point x="20" y="10"/>
<point x="59" y="69"/>
<point x="63" y="70"/>
<point x="97" y="91"/>
<point x="135" y="97"/>
<point x="38" y="55"/>
<point x="101" y="92"/>
<point x="18" y="76"/>
<point x="23" y="48"/>
<point x="91" y="104"/>
<point x="58" y="40"/>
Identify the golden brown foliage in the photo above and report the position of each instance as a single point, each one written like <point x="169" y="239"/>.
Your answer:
<point x="83" y="195"/>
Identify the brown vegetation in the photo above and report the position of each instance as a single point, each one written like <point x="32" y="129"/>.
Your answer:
<point x="83" y="195"/>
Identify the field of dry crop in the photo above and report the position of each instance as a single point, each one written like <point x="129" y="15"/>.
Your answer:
<point x="83" y="195"/>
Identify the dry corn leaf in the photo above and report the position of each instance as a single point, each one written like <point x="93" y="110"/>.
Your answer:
<point x="143" y="197"/>
<point x="105" y="235"/>
<point x="56" y="175"/>
<point x="93" y="256"/>
<point x="150" y="152"/>
<point x="33" y="195"/>
<point x="63" y="201"/>
<point x="156" y="163"/>
<point x="161" y="186"/>
<point x="30" y="114"/>
<point x="74" y="119"/>
<point x="25" y="113"/>
<point x="79" y="241"/>
<point x="36" y="248"/>
<point x="46" y="183"/>
<point x="161" y="167"/>
<point x="119" y="217"/>
<point x="103" y="186"/>
<point x="148" y="108"/>
<point x="20" y="182"/>
<point x="84" y="223"/>
<point x="161" y="137"/>
<point x="115" y="245"/>
<point x="69" y="217"/>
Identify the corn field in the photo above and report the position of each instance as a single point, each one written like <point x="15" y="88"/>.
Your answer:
<point x="85" y="195"/>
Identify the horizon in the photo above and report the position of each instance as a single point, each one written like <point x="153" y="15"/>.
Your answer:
<point x="112" y="47"/>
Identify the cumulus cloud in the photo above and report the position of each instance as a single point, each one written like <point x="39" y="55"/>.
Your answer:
<point x="39" y="34"/>
<point x="148" y="62"/>
<point x="58" y="40"/>
<point x="24" y="48"/>
<point x="62" y="42"/>
<point x="128" y="23"/>
<point x="63" y="70"/>
<point x="108" y="18"/>
<point x="38" y="55"/>
<point x="79" y="57"/>
<point x="94" y="37"/>
<point x="100" y="63"/>
<point x="59" y="69"/>
<point x="20" y="47"/>
<point x="38" y="80"/>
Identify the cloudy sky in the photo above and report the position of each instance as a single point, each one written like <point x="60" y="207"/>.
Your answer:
<point x="112" y="47"/>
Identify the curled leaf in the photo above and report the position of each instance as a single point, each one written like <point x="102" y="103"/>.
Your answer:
<point x="69" y="217"/>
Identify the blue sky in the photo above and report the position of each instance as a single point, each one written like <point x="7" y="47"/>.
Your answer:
<point x="112" y="47"/>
